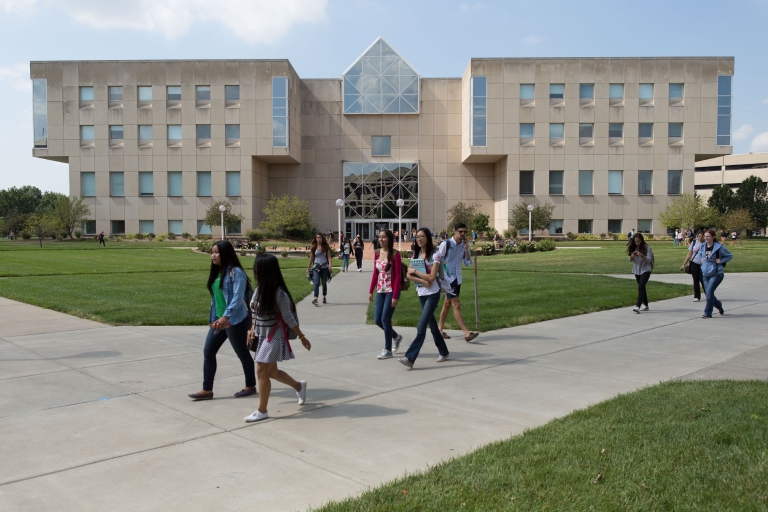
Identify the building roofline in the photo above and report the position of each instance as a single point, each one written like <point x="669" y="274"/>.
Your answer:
<point x="160" y="60"/>
<point x="604" y="58"/>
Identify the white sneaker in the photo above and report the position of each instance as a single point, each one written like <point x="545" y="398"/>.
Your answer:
<point x="398" y="340"/>
<point x="256" y="416"/>
<point x="303" y="393"/>
<point x="696" y="300"/>
<point x="643" y="308"/>
<point x="636" y="309"/>
<point x="359" y="270"/>
<point x="441" y="359"/>
<point x="385" y="354"/>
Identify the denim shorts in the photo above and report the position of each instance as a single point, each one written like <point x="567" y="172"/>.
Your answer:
<point x="456" y="288"/>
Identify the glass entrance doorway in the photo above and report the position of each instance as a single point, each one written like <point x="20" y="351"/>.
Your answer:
<point x="369" y="228"/>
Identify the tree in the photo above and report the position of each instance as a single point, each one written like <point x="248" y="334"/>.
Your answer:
<point x="69" y="212"/>
<point x="40" y="224"/>
<point x="689" y="211"/>
<point x="753" y="197"/>
<point x="16" y="204"/>
<point x="463" y="213"/>
<point x="480" y="223"/>
<point x="722" y="198"/>
<point x="541" y="216"/>
<point x="738" y="221"/>
<point x="213" y="215"/>
<point x="289" y="215"/>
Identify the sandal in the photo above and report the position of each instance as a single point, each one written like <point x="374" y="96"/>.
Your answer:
<point x="445" y="335"/>
<point x="246" y="392"/>
<point x="472" y="335"/>
<point x="201" y="396"/>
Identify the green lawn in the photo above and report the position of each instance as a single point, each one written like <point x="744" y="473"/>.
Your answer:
<point x="675" y="446"/>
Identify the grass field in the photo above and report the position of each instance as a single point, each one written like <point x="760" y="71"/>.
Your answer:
<point x="675" y="446"/>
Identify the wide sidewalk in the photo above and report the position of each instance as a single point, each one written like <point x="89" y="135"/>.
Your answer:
<point x="96" y="417"/>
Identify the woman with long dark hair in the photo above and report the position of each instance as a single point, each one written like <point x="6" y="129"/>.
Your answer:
<point x="358" y="246"/>
<point x="695" y="258"/>
<point x="228" y="319"/>
<point x="319" y="265"/>
<point x="641" y="256"/>
<point x="386" y="281"/>
<point x="713" y="271"/>
<point x="428" y="291"/>
<point x="274" y="313"/>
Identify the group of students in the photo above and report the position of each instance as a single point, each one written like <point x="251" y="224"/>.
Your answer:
<point x="705" y="261"/>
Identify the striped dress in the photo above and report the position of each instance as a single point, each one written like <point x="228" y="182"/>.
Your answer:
<point x="278" y="348"/>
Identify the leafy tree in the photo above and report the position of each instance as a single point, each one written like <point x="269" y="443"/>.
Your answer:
<point x="722" y="198"/>
<point x="480" y="223"/>
<point x="738" y="221"/>
<point x="541" y="216"/>
<point x="41" y="223"/>
<point x="48" y="201"/>
<point x="753" y="197"/>
<point x="689" y="211"/>
<point x="16" y="204"/>
<point x="213" y="215"/>
<point x="289" y="215"/>
<point x="69" y="212"/>
<point x="461" y="212"/>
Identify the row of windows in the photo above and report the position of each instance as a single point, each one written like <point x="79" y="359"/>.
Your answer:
<point x="615" y="183"/>
<point x="173" y="134"/>
<point x="146" y="184"/>
<point x="615" y="92"/>
<point x="176" y="227"/>
<point x="587" y="132"/>
<point x="173" y="93"/>
<point x="585" y="226"/>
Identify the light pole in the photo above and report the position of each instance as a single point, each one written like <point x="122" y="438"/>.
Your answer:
<point x="399" y="204"/>
<point x="339" y="203"/>
<point x="222" y="209"/>
<point x="530" y="212"/>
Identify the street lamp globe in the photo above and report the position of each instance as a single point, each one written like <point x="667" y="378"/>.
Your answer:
<point x="339" y="203"/>
<point x="400" y="203"/>
<point x="222" y="208"/>
<point x="530" y="207"/>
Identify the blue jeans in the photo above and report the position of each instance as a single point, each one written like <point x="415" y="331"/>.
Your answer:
<point x="345" y="261"/>
<point x="710" y="285"/>
<point x="321" y="275"/>
<point x="382" y="316"/>
<point x="428" y="306"/>
<point x="237" y="335"/>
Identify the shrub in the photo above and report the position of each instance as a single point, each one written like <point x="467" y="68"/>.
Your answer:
<point x="160" y="238"/>
<point x="526" y="247"/>
<point x="78" y="234"/>
<point x="510" y="233"/>
<point x="140" y="236"/>
<point x="586" y="236"/>
<point x="185" y="235"/>
<point x="204" y="246"/>
<point x="284" y="253"/>
<point x="26" y="235"/>
<point x="487" y="249"/>
<point x="254" y="235"/>
<point x="510" y="249"/>
<point x="334" y="252"/>
<point x="406" y="254"/>
<point x="602" y="236"/>
<point x="129" y="236"/>
<point x="480" y="223"/>
<point x="620" y="236"/>
<point x="570" y="236"/>
<point x="546" y="245"/>
<point x="649" y="236"/>
<point x="170" y="236"/>
<point x="151" y="236"/>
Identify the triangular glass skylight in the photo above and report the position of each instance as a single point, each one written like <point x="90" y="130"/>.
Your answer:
<point x="381" y="82"/>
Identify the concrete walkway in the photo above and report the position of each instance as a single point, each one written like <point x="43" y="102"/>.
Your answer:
<point x="96" y="417"/>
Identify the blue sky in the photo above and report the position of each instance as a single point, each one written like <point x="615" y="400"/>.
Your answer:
<point x="322" y="37"/>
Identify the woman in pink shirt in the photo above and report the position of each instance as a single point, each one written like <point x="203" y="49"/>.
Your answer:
<point x="385" y="284"/>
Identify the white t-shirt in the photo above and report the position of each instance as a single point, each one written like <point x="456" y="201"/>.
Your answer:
<point x="434" y="287"/>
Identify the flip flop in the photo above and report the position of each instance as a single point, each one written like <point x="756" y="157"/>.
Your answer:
<point x="472" y="335"/>
<point x="445" y="335"/>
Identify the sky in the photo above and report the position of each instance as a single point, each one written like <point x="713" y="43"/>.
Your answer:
<point x="322" y="38"/>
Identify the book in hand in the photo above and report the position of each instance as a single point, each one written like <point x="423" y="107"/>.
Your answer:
<point x="419" y="265"/>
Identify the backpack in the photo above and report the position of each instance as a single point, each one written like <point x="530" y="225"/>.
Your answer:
<point x="442" y="273"/>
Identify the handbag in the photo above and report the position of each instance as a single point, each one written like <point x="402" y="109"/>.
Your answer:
<point x="688" y="268"/>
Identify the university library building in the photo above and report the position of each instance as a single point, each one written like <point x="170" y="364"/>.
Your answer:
<point x="610" y="142"/>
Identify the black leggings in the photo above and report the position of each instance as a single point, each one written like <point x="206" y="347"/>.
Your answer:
<point x="237" y="335"/>
<point x="698" y="277"/>
<point x="642" y="280"/>
<point x="359" y="257"/>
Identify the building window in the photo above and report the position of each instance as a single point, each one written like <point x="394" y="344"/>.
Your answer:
<point x="526" y="182"/>
<point x="675" y="93"/>
<point x="614" y="226"/>
<point x="176" y="227"/>
<point x="86" y="94"/>
<point x="615" y="182"/>
<point x="204" y="184"/>
<point x="587" y="91"/>
<point x="88" y="184"/>
<point x="118" y="227"/>
<point x="479" y="119"/>
<point x="556" y="227"/>
<point x="674" y="183"/>
<point x="232" y="95"/>
<point x="232" y="134"/>
<point x="526" y="133"/>
<point x="173" y="93"/>
<point x="371" y="189"/>
<point x="86" y="134"/>
<point x="174" y="184"/>
<point x="675" y="133"/>
<point x="146" y="227"/>
<point x="115" y="95"/>
<point x="203" y="135"/>
<point x="615" y="133"/>
<point x="616" y="94"/>
<point x="644" y="183"/>
<point x="555" y="183"/>
<point x="203" y="93"/>
<point x="381" y="82"/>
<point x="586" y="133"/>
<point x="116" y="184"/>
<point x="585" y="226"/>
<point x="146" y="184"/>
<point x="233" y="184"/>
<point x="280" y="112"/>
<point x="724" y="96"/>
<point x="527" y="91"/>
<point x="645" y="225"/>
<point x="381" y="145"/>
<point x="645" y="132"/>
<point x="645" y="94"/>
<point x="556" y="94"/>
<point x="115" y="136"/>
<point x="203" y="228"/>
<point x="89" y="227"/>
<point x="234" y="229"/>
<point x="174" y="135"/>
<point x="145" y="94"/>
<point x="145" y="135"/>
<point x="556" y="133"/>
<point x="40" y="112"/>
<point x="585" y="184"/>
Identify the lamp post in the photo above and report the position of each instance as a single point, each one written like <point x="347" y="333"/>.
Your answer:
<point x="399" y="204"/>
<point x="339" y="203"/>
<point x="530" y="212"/>
<point x="222" y="209"/>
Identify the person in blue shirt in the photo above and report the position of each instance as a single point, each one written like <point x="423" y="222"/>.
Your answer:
<point x="454" y="251"/>
<point x="713" y="271"/>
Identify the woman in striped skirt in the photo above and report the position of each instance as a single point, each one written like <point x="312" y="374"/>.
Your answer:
<point x="274" y="316"/>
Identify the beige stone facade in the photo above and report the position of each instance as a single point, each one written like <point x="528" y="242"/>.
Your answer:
<point x="322" y="138"/>
<point x="729" y="170"/>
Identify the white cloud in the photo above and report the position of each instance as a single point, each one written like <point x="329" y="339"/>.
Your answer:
<point x="765" y="101"/>
<point x="743" y="132"/>
<point x="16" y="76"/>
<point x="253" y="21"/>
<point x="759" y="143"/>
<point x="532" y="39"/>
<point x="472" y="7"/>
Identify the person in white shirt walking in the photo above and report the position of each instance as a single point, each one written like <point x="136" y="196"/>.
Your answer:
<point x="454" y="251"/>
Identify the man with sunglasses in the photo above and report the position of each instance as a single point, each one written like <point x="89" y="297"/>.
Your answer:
<point x="454" y="251"/>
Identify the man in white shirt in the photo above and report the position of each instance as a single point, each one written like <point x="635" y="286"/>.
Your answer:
<point x="455" y="251"/>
